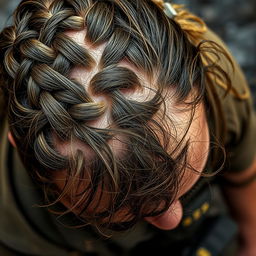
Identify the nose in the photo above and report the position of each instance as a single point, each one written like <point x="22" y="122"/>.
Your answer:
<point x="169" y="219"/>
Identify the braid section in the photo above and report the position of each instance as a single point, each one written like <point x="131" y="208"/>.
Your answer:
<point x="87" y="83"/>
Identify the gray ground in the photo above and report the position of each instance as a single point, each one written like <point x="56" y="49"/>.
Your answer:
<point x="233" y="20"/>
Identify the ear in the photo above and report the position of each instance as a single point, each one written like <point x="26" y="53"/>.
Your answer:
<point x="11" y="139"/>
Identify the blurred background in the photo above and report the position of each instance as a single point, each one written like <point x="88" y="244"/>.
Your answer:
<point x="233" y="20"/>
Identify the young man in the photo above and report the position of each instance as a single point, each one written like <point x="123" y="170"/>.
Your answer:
<point x="115" y="110"/>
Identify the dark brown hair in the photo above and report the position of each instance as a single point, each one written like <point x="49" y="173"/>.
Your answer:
<point x="43" y="101"/>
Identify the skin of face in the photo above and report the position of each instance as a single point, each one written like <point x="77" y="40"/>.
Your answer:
<point x="198" y="135"/>
<point x="198" y="151"/>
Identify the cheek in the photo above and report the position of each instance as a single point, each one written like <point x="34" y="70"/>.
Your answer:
<point x="197" y="157"/>
<point x="189" y="180"/>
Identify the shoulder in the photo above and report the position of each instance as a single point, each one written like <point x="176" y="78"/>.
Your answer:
<point x="237" y="112"/>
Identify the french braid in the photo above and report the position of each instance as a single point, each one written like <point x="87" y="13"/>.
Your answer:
<point x="44" y="101"/>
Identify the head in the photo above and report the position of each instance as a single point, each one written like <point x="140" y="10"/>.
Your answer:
<point x="105" y="105"/>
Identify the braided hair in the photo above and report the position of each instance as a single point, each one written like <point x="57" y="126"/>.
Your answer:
<point x="48" y="108"/>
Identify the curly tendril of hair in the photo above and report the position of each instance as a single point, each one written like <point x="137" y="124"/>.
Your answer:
<point x="44" y="103"/>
